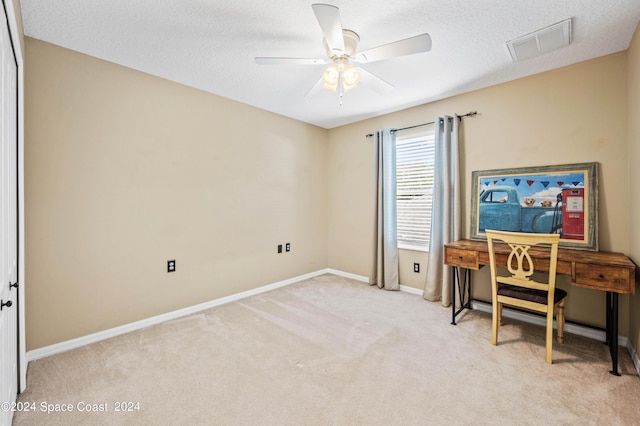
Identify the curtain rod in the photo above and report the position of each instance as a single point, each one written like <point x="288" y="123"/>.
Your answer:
<point x="460" y="117"/>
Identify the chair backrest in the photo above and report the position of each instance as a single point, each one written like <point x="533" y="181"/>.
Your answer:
<point x="519" y="262"/>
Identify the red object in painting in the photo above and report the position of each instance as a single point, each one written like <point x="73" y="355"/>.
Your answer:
<point x="573" y="213"/>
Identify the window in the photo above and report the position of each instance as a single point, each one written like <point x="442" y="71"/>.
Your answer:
<point x="495" y="197"/>
<point x="414" y="170"/>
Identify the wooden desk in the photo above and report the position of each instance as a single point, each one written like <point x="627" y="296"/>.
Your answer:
<point x="613" y="273"/>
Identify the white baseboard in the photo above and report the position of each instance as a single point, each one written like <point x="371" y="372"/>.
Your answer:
<point x="347" y="275"/>
<point x="366" y="280"/>
<point x="137" y="325"/>
<point x="538" y="320"/>
<point x="634" y="356"/>
<point x="411" y="290"/>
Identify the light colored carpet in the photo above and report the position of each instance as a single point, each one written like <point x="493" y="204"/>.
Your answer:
<point x="333" y="351"/>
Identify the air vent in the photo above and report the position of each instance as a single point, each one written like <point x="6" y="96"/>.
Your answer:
<point x="540" y="42"/>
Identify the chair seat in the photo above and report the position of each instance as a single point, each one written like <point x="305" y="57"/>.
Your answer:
<point x="530" y="294"/>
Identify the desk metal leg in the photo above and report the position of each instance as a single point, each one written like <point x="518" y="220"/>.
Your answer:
<point x="463" y="284"/>
<point x="612" y="330"/>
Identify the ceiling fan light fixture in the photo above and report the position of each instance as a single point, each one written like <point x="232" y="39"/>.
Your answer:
<point x="330" y="77"/>
<point x="350" y="77"/>
<point x="340" y="73"/>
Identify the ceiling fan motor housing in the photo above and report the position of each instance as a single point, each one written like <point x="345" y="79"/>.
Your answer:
<point x="351" y="39"/>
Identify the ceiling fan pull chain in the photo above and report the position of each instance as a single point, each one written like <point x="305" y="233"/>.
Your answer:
<point x="340" y="86"/>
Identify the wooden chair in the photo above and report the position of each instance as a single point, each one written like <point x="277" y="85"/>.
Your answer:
<point x="519" y="289"/>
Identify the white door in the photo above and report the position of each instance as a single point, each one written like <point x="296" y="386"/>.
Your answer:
<point x="8" y="224"/>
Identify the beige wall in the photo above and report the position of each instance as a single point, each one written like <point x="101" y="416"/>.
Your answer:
<point x="633" y="114"/>
<point x="570" y="115"/>
<point x="125" y="171"/>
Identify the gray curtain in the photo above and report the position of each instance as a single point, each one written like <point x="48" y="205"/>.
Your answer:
<point x="384" y="272"/>
<point x="445" y="214"/>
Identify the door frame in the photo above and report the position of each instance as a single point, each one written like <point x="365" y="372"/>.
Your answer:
<point x="16" y="37"/>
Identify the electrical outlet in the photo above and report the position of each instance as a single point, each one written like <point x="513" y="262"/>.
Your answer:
<point x="287" y="247"/>
<point x="171" y="265"/>
<point x="416" y="267"/>
<point x="279" y="248"/>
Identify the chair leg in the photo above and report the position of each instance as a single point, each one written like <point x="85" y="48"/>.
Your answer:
<point x="549" y="339"/>
<point x="495" y="319"/>
<point x="560" y="317"/>
<point x="500" y="314"/>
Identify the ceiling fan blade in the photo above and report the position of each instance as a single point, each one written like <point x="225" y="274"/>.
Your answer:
<point x="328" y="17"/>
<point x="289" y="61"/>
<point x="408" y="46"/>
<point x="315" y="89"/>
<point x="374" y="82"/>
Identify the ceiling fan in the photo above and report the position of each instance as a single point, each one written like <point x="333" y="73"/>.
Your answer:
<point x="341" y="45"/>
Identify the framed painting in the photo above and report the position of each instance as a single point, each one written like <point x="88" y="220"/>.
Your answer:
<point x="547" y="199"/>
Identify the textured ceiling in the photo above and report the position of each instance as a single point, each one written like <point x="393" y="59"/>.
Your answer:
<point x="211" y="45"/>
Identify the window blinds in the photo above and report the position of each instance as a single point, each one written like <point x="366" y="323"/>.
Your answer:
<point x="415" y="171"/>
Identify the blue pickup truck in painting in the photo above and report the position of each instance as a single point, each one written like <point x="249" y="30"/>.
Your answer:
<point x="501" y="208"/>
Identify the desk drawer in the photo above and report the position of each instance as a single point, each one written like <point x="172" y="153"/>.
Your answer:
<point x="462" y="258"/>
<point x="604" y="278"/>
